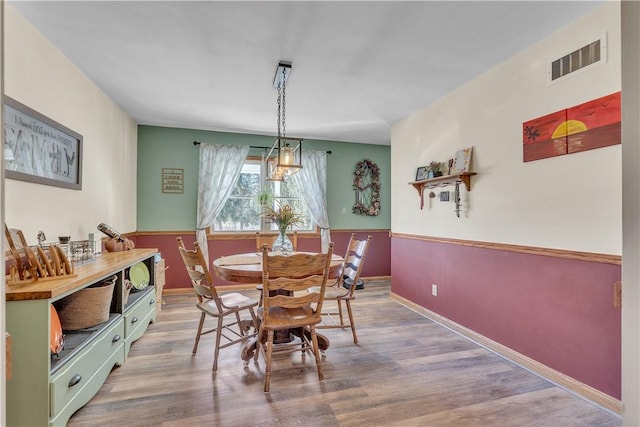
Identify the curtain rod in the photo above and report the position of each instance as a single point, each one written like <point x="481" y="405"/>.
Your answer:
<point x="254" y="146"/>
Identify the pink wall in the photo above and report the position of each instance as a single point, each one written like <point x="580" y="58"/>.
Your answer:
<point x="378" y="262"/>
<point x="556" y="311"/>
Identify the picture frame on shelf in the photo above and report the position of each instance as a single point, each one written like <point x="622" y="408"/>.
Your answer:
<point x="462" y="161"/>
<point x="40" y="150"/>
<point x="421" y="173"/>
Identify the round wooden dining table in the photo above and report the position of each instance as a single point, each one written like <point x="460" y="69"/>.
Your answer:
<point x="247" y="268"/>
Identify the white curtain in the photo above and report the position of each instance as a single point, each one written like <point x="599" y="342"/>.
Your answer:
<point x="220" y="167"/>
<point x="312" y="182"/>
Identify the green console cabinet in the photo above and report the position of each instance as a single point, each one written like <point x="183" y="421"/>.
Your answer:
<point x="46" y="389"/>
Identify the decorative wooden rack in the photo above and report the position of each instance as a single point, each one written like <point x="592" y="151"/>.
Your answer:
<point x="443" y="181"/>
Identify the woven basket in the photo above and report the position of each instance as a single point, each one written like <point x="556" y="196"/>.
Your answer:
<point x="87" y="307"/>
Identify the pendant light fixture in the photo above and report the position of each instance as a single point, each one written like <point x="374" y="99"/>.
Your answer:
<point x="285" y="157"/>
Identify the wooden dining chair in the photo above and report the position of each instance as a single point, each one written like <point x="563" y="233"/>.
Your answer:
<point x="287" y="305"/>
<point x="219" y="306"/>
<point x="268" y="239"/>
<point x="263" y="238"/>
<point x="344" y="288"/>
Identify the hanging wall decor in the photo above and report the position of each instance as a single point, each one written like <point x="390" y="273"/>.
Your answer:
<point x="366" y="183"/>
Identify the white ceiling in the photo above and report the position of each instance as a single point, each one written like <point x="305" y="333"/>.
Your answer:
<point x="358" y="67"/>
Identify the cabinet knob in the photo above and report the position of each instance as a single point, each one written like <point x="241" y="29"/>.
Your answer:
<point x="74" y="380"/>
<point x="134" y="320"/>
<point x="152" y="301"/>
<point x="116" y="338"/>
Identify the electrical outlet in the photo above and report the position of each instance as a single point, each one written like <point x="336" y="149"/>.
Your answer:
<point x="344" y="211"/>
<point x="434" y="290"/>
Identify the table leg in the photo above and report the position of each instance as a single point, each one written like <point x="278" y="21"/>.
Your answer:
<point x="249" y="349"/>
<point x="323" y="342"/>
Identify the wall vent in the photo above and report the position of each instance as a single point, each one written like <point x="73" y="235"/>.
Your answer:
<point x="587" y="55"/>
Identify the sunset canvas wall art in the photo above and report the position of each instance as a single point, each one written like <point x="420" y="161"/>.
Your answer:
<point x="593" y="124"/>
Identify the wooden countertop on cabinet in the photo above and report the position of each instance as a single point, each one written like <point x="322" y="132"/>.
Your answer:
<point x="89" y="272"/>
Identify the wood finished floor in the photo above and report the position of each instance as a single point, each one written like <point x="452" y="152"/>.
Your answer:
<point x="406" y="371"/>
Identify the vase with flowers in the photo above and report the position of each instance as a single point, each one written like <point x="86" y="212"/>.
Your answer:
<point x="284" y="217"/>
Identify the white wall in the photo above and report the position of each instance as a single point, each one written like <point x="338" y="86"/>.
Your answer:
<point x="568" y="202"/>
<point x="41" y="77"/>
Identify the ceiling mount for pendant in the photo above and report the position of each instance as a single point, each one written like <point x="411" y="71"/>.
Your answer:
<point x="282" y="74"/>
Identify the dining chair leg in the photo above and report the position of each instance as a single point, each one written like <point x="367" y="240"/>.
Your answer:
<point x="239" y="323"/>
<point x="304" y="343"/>
<point x="254" y="323"/>
<point x="217" y="350"/>
<point x="195" y="344"/>
<point x="254" y="319"/>
<point x="267" y="371"/>
<point x="353" y="325"/>
<point x="316" y="353"/>
<point x="259" y="347"/>
<point x="340" y="311"/>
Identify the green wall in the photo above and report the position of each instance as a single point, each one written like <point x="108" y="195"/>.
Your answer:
<point x="161" y="147"/>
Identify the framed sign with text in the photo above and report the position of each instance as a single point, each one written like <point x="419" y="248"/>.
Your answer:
<point x="38" y="149"/>
<point x="173" y="180"/>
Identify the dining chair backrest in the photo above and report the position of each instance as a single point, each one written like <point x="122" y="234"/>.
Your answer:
<point x="353" y="261"/>
<point x="198" y="271"/>
<point x="285" y="277"/>
<point x="268" y="239"/>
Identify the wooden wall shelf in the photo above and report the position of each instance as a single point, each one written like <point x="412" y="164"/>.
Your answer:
<point x="443" y="181"/>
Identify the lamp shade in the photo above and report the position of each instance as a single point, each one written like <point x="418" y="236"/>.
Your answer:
<point x="286" y="156"/>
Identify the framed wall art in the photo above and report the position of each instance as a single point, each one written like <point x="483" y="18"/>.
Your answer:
<point x="173" y="180"/>
<point x="40" y="150"/>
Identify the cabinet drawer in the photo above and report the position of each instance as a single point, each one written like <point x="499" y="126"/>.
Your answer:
<point x="81" y="373"/>
<point x="138" y="317"/>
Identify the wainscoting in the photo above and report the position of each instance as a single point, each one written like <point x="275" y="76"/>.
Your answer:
<point x="554" y="307"/>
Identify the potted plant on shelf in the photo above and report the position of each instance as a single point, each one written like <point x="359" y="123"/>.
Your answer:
<point x="284" y="217"/>
<point x="435" y="169"/>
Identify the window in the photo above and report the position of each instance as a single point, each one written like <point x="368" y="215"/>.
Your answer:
<point x="241" y="212"/>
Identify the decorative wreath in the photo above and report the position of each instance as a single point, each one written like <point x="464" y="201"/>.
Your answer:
<point x="367" y="176"/>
